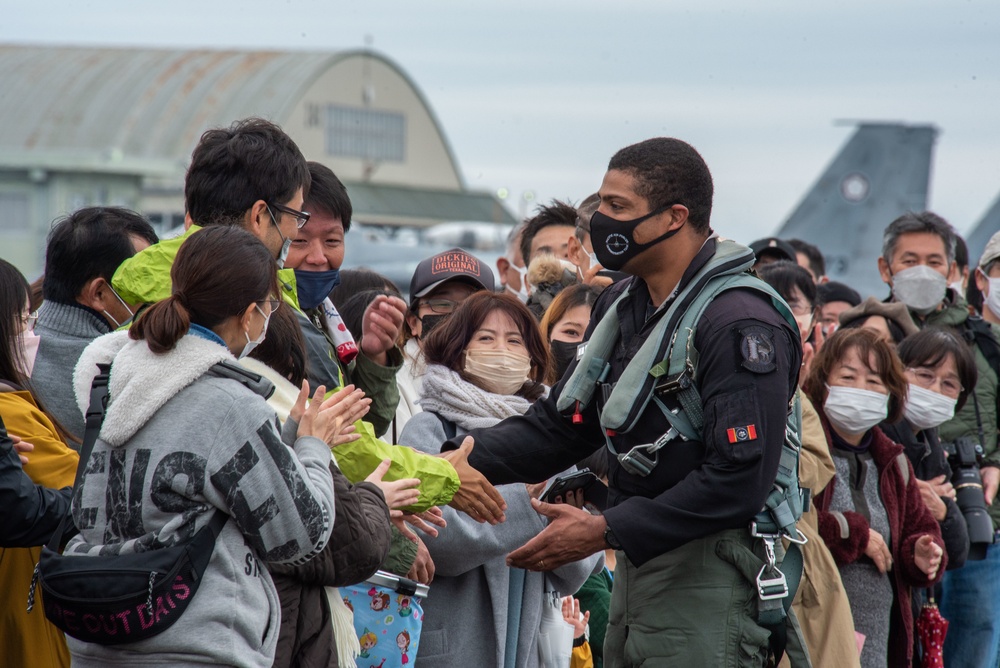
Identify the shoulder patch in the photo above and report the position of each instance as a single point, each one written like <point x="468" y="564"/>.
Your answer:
<point x="757" y="349"/>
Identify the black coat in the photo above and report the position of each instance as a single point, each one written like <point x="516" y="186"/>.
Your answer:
<point x="30" y="513"/>
<point x="358" y="545"/>
<point x="929" y="461"/>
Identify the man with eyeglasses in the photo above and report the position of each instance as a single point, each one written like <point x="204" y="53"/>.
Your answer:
<point x="918" y="257"/>
<point x="439" y="284"/>
<point x="250" y="174"/>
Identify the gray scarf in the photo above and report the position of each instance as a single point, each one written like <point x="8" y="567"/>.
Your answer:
<point x="455" y="399"/>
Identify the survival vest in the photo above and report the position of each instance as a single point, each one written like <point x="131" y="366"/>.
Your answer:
<point x="667" y="364"/>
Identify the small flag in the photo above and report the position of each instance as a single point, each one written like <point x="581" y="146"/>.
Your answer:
<point x="740" y="434"/>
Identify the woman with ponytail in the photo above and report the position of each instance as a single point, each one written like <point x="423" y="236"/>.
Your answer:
<point x="188" y="433"/>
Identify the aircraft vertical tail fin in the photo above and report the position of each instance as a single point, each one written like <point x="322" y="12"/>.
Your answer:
<point x="881" y="172"/>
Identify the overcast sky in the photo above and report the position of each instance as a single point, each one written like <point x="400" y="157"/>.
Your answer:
<point x="538" y="95"/>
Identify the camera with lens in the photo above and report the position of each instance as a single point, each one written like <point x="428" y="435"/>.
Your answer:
<point x="965" y="456"/>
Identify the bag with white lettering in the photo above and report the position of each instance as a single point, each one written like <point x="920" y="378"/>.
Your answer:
<point x="124" y="598"/>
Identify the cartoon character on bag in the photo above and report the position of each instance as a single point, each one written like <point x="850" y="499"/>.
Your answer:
<point x="404" y="606"/>
<point x="347" y="602"/>
<point x="380" y="600"/>
<point x="368" y="640"/>
<point x="403" y="642"/>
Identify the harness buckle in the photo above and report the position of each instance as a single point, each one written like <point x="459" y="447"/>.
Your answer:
<point x="637" y="463"/>
<point x="771" y="588"/>
<point x="674" y="383"/>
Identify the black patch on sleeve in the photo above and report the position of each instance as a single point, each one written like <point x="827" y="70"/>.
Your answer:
<point x="757" y="349"/>
<point x="735" y="410"/>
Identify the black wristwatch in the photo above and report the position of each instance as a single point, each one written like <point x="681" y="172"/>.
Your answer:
<point x="609" y="538"/>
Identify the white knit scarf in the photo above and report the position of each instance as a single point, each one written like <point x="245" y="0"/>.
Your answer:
<point x="446" y="393"/>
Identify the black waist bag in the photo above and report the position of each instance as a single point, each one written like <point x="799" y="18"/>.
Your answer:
<point x="125" y="598"/>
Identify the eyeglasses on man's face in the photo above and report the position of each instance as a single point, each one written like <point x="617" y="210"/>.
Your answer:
<point x="301" y="217"/>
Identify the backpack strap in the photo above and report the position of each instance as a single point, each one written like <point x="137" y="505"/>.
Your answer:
<point x="94" y="420"/>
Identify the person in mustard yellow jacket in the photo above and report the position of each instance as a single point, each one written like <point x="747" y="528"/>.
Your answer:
<point x="27" y="639"/>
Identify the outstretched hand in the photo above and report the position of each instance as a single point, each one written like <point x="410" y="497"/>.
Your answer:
<point x="398" y="493"/>
<point x="572" y="534"/>
<point x="380" y="327"/>
<point x="571" y="615"/>
<point x="475" y="497"/>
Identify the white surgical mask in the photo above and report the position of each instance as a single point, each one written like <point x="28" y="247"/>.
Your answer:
<point x="926" y="409"/>
<point x="253" y="343"/>
<point x="957" y="287"/>
<point x="921" y="288"/>
<point x="855" y="411"/>
<point x="111" y="317"/>
<point x="805" y="323"/>
<point x="593" y="260"/>
<point x="521" y="294"/>
<point x="497" y="371"/>
<point x="993" y="298"/>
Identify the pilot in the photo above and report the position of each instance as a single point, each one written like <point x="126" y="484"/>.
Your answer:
<point x="670" y="514"/>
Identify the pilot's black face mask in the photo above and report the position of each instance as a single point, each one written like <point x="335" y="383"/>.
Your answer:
<point x="613" y="241"/>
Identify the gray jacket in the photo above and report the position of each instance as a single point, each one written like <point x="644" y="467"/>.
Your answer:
<point x="180" y="441"/>
<point x="64" y="331"/>
<point x="465" y="613"/>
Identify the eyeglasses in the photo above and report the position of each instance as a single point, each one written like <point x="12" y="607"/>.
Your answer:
<point x="950" y="387"/>
<point x="440" y="305"/>
<point x="800" y="308"/>
<point x="301" y="217"/>
<point x="272" y="303"/>
<point x="29" y="320"/>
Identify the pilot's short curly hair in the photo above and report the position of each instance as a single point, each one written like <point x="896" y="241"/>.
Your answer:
<point x="669" y="171"/>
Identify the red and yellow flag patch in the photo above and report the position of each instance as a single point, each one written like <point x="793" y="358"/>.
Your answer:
<point x="740" y="434"/>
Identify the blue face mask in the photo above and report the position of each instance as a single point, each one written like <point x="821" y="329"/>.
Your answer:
<point x="315" y="286"/>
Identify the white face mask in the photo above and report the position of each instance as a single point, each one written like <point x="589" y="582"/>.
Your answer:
<point x="251" y="344"/>
<point x="805" y="323"/>
<point x="957" y="287"/>
<point x="921" y="288"/>
<point x="498" y="371"/>
<point x="593" y="260"/>
<point x="521" y="294"/>
<point x="855" y="411"/>
<point x="993" y="296"/>
<point x="122" y="301"/>
<point x="926" y="409"/>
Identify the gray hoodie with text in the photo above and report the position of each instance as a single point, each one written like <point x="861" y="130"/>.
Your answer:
<point x="180" y="440"/>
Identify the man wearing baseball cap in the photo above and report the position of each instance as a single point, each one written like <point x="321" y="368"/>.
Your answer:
<point x="439" y="284"/>
<point x="988" y="279"/>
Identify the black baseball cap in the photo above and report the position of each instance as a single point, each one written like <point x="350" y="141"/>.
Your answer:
<point x="451" y="265"/>
<point x="775" y="247"/>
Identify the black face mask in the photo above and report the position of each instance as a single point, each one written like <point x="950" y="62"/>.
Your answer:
<point x="428" y="323"/>
<point x="613" y="241"/>
<point x="563" y="354"/>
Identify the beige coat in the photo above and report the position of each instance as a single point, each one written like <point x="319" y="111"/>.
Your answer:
<point x="820" y="603"/>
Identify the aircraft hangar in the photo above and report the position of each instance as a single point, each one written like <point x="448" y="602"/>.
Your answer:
<point x="101" y="126"/>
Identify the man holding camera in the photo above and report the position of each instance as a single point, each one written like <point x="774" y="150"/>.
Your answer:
<point x="918" y="252"/>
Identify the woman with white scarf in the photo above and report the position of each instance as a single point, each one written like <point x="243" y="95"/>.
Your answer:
<point x="484" y="364"/>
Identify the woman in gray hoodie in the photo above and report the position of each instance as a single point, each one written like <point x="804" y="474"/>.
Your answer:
<point x="187" y="434"/>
